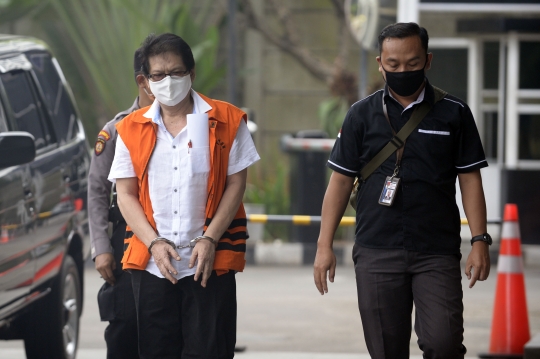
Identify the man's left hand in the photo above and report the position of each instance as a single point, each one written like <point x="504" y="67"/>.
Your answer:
<point x="204" y="253"/>
<point x="478" y="261"/>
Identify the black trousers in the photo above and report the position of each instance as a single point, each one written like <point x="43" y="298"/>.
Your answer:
<point x="185" y="320"/>
<point x="389" y="281"/>
<point x="117" y="305"/>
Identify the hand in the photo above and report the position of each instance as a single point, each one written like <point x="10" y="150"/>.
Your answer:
<point x="325" y="262"/>
<point x="204" y="253"/>
<point x="161" y="251"/>
<point x="105" y="265"/>
<point x="478" y="262"/>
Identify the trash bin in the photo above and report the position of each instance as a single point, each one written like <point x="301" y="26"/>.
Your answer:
<point x="309" y="151"/>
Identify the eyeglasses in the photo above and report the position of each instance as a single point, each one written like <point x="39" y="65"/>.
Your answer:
<point x="160" y="76"/>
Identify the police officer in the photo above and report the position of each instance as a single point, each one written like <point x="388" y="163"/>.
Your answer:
<point x="115" y="298"/>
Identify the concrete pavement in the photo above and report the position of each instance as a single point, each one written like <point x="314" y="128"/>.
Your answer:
<point x="282" y="316"/>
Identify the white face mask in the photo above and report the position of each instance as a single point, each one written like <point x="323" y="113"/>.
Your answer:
<point x="171" y="90"/>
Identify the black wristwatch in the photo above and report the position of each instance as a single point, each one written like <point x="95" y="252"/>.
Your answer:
<point x="482" y="237"/>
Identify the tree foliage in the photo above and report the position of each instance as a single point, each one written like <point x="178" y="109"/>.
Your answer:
<point x="341" y="81"/>
<point x="98" y="39"/>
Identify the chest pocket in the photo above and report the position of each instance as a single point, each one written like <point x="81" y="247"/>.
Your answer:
<point x="199" y="161"/>
<point x="437" y="142"/>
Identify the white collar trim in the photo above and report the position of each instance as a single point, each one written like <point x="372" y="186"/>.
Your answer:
<point x="418" y="100"/>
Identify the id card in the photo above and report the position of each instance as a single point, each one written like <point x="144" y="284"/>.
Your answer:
<point x="389" y="191"/>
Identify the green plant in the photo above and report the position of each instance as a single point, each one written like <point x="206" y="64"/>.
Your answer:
<point x="332" y="111"/>
<point x="98" y="38"/>
<point x="272" y="190"/>
<point x="269" y="185"/>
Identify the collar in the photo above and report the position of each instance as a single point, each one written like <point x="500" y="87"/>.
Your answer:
<point x="426" y="94"/>
<point x="200" y="105"/>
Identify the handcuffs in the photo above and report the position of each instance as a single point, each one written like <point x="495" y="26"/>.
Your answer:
<point x="191" y="244"/>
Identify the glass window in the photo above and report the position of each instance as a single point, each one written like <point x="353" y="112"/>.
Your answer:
<point x="57" y="101"/>
<point x="491" y="65"/>
<point x="529" y="63"/>
<point x="491" y="121"/>
<point x="24" y="106"/>
<point x="449" y="71"/>
<point x="529" y="137"/>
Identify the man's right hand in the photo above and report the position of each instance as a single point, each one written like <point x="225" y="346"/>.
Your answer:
<point x="105" y="265"/>
<point x="161" y="251"/>
<point x="325" y="262"/>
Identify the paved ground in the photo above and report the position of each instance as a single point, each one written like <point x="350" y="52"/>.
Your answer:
<point x="282" y="316"/>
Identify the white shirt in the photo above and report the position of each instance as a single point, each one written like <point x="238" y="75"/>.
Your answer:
<point x="178" y="178"/>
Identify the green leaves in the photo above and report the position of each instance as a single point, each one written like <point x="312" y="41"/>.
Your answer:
<point x="332" y="113"/>
<point x="95" y="40"/>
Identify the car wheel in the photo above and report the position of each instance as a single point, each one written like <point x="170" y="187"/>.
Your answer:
<point x="53" y="329"/>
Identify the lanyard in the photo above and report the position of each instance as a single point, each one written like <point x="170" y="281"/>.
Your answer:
<point x="399" y="152"/>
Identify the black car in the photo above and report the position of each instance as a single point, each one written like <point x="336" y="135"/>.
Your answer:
<point x="44" y="161"/>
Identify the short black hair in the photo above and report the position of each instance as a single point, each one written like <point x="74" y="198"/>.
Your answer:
<point x="402" y="30"/>
<point x="137" y="63"/>
<point x="160" y="44"/>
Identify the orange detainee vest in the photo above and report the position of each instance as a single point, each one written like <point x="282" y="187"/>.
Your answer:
<point x="140" y="134"/>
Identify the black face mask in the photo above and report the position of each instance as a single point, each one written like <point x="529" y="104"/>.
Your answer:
<point x="405" y="83"/>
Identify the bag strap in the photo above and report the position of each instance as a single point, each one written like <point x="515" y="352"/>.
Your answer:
<point x="398" y="140"/>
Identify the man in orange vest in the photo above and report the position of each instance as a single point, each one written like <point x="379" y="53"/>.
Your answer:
<point x="180" y="168"/>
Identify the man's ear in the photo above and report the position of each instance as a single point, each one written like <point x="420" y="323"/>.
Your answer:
<point x="141" y="80"/>
<point x="428" y="61"/>
<point x="192" y="75"/>
<point x="378" y="58"/>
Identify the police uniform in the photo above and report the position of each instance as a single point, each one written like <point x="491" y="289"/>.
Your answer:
<point x="116" y="303"/>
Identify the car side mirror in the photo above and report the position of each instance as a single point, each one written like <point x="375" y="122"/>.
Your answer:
<point x="16" y="148"/>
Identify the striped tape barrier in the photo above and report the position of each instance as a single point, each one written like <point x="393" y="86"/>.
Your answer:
<point x="301" y="220"/>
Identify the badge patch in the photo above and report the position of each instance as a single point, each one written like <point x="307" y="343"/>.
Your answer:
<point x="99" y="146"/>
<point x="389" y="191"/>
<point x="104" y="134"/>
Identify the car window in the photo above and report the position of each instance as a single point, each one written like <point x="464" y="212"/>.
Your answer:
<point x="25" y="107"/>
<point x="56" y="98"/>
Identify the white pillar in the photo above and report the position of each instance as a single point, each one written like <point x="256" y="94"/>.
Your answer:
<point x="474" y="82"/>
<point x="408" y="11"/>
<point x="501" y="126"/>
<point x="512" y="118"/>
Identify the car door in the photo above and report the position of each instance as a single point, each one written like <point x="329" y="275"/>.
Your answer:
<point x="45" y="187"/>
<point x="16" y="232"/>
<point x="71" y="153"/>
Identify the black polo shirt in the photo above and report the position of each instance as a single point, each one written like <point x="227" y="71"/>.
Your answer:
<point x="424" y="216"/>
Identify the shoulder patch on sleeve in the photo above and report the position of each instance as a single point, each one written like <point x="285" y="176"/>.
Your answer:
<point x="104" y="135"/>
<point x="99" y="146"/>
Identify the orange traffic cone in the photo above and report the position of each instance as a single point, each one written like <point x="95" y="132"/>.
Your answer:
<point x="510" y="326"/>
